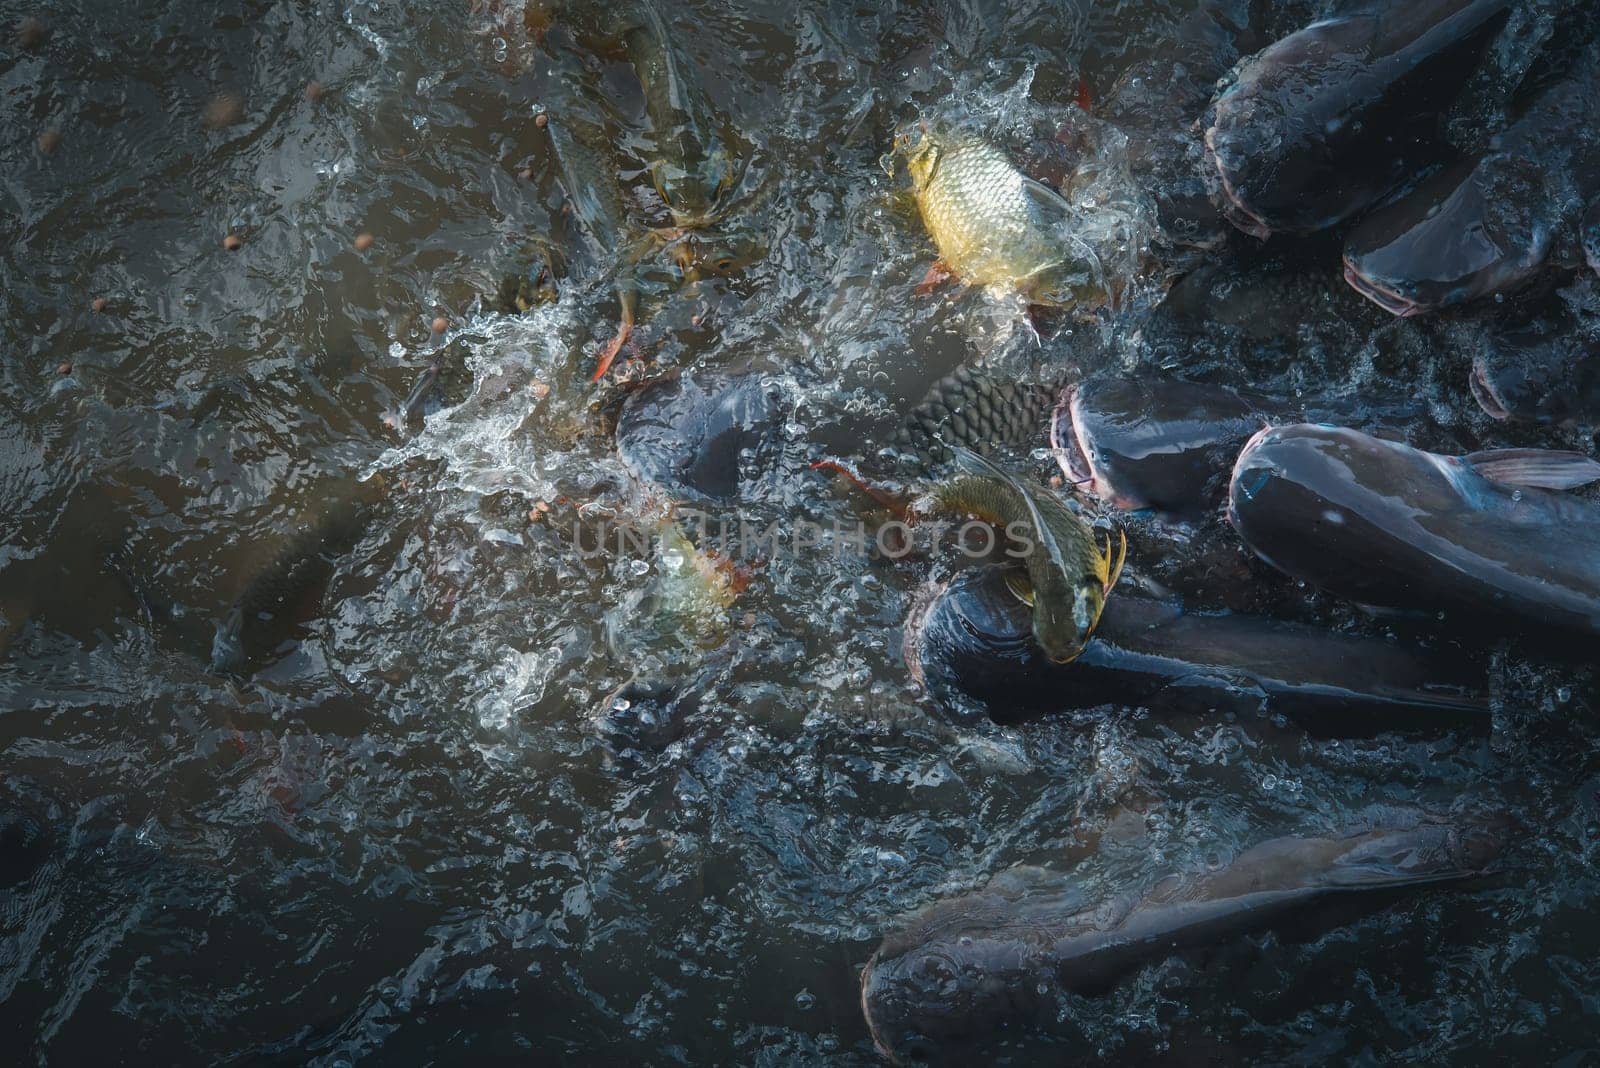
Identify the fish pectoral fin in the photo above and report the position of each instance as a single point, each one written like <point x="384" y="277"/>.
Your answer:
<point x="1020" y="586"/>
<point x="1112" y="559"/>
<point x="1535" y="468"/>
<point x="939" y="273"/>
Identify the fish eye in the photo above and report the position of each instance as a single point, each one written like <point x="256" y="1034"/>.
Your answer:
<point x="724" y="264"/>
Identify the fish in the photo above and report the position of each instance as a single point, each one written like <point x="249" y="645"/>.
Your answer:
<point x="973" y="409"/>
<point x="1544" y="370"/>
<point x="701" y="255"/>
<point x="291" y="569"/>
<point x="995" y="227"/>
<point x="1486" y="225"/>
<point x="1003" y="956"/>
<point x="971" y="635"/>
<point x="1154" y="101"/>
<point x="594" y="193"/>
<point x="1068" y="572"/>
<point x="697" y="161"/>
<point x="702" y="436"/>
<point x="1384" y="524"/>
<point x="1166" y="444"/>
<point x="1322" y="124"/>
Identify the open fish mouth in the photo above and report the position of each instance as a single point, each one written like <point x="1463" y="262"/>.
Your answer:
<point x="1067" y="447"/>
<point x="1232" y="206"/>
<point x="1488" y="398"/>
<point x="1383" y="296"/>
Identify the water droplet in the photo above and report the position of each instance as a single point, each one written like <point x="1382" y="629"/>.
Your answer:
<point x="1269" y="782"/>
<point x="638" y="567"/>
<point x="805" y="999"/>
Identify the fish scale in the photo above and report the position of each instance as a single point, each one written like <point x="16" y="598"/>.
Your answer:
<point x="971" y="409"/>
<point x="981" y="214"/>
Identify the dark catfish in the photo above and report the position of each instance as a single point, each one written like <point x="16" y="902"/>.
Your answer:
<point x="973" y="634"/>
<point x="1167" y="444"/>
<point x="1546" y="370"/>
<point x="1382" y="523"/>
<point x="702" y="436"/>
<point x="1320" y="125"/>
<point x="1005" y="955"/>
<point x="1489" y="224"/>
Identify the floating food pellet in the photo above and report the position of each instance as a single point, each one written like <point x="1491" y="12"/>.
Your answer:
<point x="225" y="109"/>
<point x="540" y="389"/>
<point x="314" y="91"/>
<point x="232" y="243"/>
<point x="541" y="120"/>
<point x="64" y="369"/>
<point x="363" y="242"/>
<point x="440" y="325"/>
<point x="31" y="32"/>
<point x="49" y="141"/>
<point x="99" y="304"/>
<point x="526" y="174"/>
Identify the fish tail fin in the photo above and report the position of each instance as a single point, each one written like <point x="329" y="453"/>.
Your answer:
<point x="624" y="332"/>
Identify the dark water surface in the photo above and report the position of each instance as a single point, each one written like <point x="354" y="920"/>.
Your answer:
<point x="399" y="834"/>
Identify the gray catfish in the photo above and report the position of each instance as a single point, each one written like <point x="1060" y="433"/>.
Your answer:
<point x="1487" y="225"/>
<point x="1382" y="523"/>
<point x="1166" y="444"/>
<point x="1546" y="370"/>
<point x="1322" y="124"/>
<point x="974" y="635"/>
<point x="1004" y="955"/>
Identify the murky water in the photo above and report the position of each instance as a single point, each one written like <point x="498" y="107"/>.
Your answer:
<point x="402" y="831"/>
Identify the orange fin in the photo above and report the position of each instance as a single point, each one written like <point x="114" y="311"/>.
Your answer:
<point x="938" y="274"/>
<point x="882" y="496"/>
<point x="624" y="331"/>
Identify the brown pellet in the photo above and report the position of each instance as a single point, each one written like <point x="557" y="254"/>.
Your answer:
<point x="64" y="369"/>
<point x="224" y="109"/>
<point x="99" y="304"/>
<point x="232" y="243"/>
<point x="32" y="32"/>
<point x="363" y="242"/>
<point x="541" y="120"/>
<point x="440" y="324"/>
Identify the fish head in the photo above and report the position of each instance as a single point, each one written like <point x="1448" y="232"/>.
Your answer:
<point x="695" y="191"/>
<point x="1064" y="621"/>
<point x="701" y="256"/>
<point x="926" y="1000"/>
<point x="1537" y="372"/>
<point x="1468" y="232"/>
<point x="921" y="146"/>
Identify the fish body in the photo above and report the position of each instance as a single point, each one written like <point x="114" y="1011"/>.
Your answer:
<point x="695" y="165"/>
<point x="974" y="410"/>
<point x="1385" y="524"/>
<point x="1489" y="224"/>
<point x="1003" y="956"/>
<point x="1320" y="125"/>
<point x="996" y="227"/>
<point x="1069" y="571"/>
<point x="971" y="635"/>
<point x="1166" y="444"/>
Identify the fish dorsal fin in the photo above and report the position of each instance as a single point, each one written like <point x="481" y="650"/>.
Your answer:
<point x="973" y="464"/>
<point x="1535" y="468"/>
